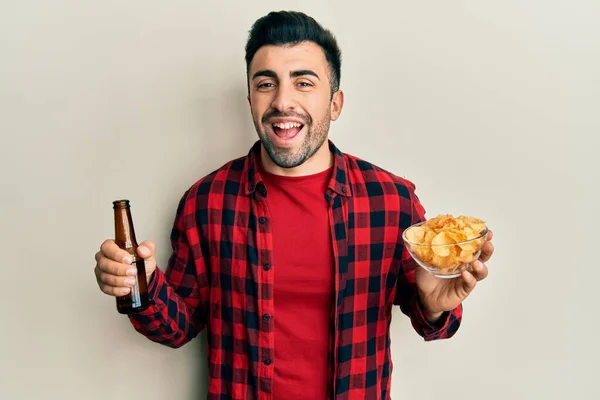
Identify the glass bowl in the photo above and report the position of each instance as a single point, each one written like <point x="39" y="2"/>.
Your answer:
<point x="445" y="260"/>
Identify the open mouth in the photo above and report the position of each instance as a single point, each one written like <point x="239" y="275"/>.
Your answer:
<point x="287" y="130"/>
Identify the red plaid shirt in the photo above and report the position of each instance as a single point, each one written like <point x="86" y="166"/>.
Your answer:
<point x="220" y="276"/>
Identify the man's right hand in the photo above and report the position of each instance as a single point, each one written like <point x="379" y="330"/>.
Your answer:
<point x="114" y="273"/>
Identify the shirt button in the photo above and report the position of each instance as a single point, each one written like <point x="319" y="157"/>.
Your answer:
<point x="344" y="189"/>
<point x="266" y="317"/>
<point x="267" y="267"/>
<point x="262" y="220"/>
<point x="267" y="362"/>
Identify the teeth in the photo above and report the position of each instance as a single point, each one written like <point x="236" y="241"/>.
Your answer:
<point x="288" y="125"/>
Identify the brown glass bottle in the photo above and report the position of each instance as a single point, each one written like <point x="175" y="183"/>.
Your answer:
<point x="137" y="299"/>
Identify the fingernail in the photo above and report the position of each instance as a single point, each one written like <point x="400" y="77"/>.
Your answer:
<point x="129" y="282"/>
<point x="125" y="290"/>
<point x="143" y="251"/>
<point x="477" y="264"/>
<point x="132" y="272"/>
<point x="127" y="260"/>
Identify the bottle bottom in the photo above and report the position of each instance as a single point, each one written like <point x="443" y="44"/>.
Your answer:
<point x="126" y="306"/>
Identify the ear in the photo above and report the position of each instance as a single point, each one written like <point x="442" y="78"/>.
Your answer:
<point x="337" y="103"/>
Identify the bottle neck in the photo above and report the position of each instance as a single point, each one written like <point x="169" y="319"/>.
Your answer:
<point x="124" y="232"/>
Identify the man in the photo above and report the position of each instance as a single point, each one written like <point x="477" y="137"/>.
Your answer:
<point x="292" y="256"/>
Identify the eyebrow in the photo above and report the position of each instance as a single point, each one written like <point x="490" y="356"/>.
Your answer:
<point x="294" y="74"/>
<point x="303" y="72"/>
<point x="266" y="73"/>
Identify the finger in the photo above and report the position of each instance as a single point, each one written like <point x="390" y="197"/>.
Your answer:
<point x="114" y="280"/>
<point x="110" y="249"/>
<point x="480" y="270"/>
<point x="146" y="250"/>
<point x="489" y="236"/>
<point x="114" y="291"/>
<point x="486" y="251"/>
<point x="468" y="281"/>
<point x="111" y="267"/>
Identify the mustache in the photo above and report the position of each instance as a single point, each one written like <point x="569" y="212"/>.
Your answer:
<point x="276" y="114"/>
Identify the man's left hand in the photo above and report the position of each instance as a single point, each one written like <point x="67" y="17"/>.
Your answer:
<point x="438" y="294"/>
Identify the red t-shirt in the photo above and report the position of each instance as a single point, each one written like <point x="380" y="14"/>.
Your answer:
<point x="303" y="267"/>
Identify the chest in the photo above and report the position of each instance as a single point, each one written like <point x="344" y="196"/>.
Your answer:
<point x="302" y="251"/>
<point x="355" y="240"/>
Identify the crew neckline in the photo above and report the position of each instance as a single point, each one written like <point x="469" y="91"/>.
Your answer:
<point x="269" y="176"/>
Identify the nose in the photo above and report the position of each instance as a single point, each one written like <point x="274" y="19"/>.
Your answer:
<point x="284" y="98"/>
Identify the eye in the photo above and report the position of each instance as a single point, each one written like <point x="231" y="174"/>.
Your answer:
<point x="265" y="85"/>
<point x="305" y="84"/>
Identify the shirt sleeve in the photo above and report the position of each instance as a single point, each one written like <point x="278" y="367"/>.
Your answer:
<point x="406" y="291"/>
<point x="176" y="314"/>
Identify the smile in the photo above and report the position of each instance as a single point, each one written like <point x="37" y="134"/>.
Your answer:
<point x="288" y="125"/>
<point x="284" y="132"/>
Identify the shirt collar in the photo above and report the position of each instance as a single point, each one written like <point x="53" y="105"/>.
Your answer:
<point x="339" y="182"/>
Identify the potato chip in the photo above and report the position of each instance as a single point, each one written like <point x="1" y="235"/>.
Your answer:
<point x="429" y="235"/>
<point x="476" y="224"/>
<point x="447" y="262"/>
<point x="416" y="235"/>
<point x="470" y="233"/>
<point x="465" y="256"/>
<point x="457" y="236"/>
<point x="424" y="253"/>
<point x="438" y="242"/>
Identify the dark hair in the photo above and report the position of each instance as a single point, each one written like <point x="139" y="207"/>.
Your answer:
<point x="290" y="28"/>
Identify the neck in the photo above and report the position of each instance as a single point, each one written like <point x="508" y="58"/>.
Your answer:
<point x="319" y="162"/>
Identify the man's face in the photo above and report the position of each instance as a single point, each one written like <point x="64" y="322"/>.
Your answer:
<point x="290" y="100"/>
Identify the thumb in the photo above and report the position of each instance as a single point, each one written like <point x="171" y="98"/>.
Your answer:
<point x="146" y="250"/>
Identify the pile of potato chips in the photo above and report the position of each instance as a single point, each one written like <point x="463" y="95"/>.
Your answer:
<point x="445" y="242"/>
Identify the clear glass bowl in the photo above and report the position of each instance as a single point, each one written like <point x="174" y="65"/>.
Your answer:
<point x="445" y="260"/>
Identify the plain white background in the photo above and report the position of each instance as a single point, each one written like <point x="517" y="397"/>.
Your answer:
<point x="490" y="107"/>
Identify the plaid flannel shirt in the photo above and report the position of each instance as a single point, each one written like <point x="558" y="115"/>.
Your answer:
<point x="220" y="276"/>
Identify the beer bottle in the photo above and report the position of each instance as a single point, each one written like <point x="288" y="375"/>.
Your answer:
<point x="137" y="299"/>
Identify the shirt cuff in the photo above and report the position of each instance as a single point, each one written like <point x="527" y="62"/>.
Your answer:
<point x="430" y="329"/>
